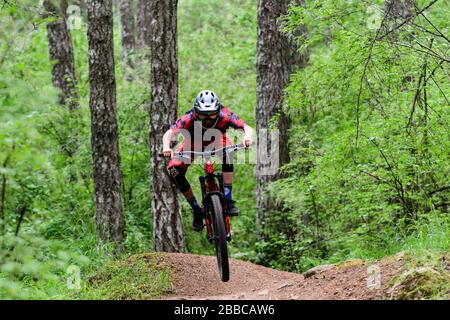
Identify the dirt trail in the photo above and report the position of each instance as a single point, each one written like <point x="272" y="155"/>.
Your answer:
<point x="196" y="277"/>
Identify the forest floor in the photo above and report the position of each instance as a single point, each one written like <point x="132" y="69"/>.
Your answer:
<point x="196" y="277"/>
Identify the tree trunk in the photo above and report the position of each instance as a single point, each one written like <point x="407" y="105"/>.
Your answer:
<point x="167" y="223"/>
<point x="104" y="131"/>
<point x="61" y="53"/>
<point x="143" y="24"/>
<point x="276" y="60"/>
<point x="143" y="40"/>
<point x="398" y="9"/>
<point x="128" y="32"/>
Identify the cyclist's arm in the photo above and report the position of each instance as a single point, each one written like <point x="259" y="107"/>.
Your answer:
<point x="248" y="140"/>
<point x="167" y="138"/>
<point x="237" y="123"/>
<point x="248" y="130"/>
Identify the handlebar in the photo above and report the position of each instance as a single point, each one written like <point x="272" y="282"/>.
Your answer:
<point x="209" y="153"/>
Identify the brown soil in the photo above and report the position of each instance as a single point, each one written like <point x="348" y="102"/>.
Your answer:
<point x="196" y="277"/>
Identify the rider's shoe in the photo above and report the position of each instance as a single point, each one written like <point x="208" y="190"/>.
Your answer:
<point x="197" y="223"/>
<point x="233" y="210"/>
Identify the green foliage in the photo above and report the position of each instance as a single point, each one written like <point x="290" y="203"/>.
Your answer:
<point x="135" y="278"/>
<point x="218" y="51"/>
<point x="370" y="140"/>
<point x="35" y="268"/>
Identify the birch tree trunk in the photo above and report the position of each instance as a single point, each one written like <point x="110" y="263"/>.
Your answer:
<point x="128" y="34"/>
<point x="61" y="54"/>
<point x="143" y="24"/>
<point x="276" y="60"/>
<point x="167" y="223"/>
<point x="104" y="132"/>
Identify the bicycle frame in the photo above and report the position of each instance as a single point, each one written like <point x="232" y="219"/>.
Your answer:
<point x="212" y="183"/>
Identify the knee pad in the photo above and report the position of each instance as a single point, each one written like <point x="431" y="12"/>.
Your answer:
<point x="178" y="176"/>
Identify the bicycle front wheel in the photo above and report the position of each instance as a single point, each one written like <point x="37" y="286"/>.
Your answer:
<point x="220" y="238"/>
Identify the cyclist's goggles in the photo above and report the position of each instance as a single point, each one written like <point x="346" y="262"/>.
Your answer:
<point x="205" y="117"/>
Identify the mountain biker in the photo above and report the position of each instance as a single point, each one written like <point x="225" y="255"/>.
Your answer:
<point x="204" y="127"/>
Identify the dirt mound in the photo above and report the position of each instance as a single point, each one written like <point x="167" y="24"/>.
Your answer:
<point x="196" y="277"/>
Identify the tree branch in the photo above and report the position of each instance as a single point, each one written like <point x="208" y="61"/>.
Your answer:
<point x="407" y="20"/>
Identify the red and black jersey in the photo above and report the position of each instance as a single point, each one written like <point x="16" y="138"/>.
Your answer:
<point x="225" y="120"/>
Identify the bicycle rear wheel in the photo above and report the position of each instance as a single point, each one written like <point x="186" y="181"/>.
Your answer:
<point x="220" y="239"/>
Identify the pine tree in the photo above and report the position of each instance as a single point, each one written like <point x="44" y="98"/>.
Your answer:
<point x="104" y="132"/>
<point x="61" y="53"/>
<point x="128" y="31"/>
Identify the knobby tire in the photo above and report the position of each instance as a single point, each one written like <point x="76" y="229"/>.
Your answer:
<point x="221" y="238"/>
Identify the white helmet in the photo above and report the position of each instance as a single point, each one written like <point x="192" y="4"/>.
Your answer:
<point x="207" y="103"/>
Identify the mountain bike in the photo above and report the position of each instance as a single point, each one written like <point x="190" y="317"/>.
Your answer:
<point x="214" y="204"/>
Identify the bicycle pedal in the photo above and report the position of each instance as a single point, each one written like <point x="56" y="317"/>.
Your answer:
<point x="228" y="236"/>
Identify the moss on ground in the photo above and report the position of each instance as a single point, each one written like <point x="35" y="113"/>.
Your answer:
<point x="426" y="276"/>
<point x="134" y="278"/>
